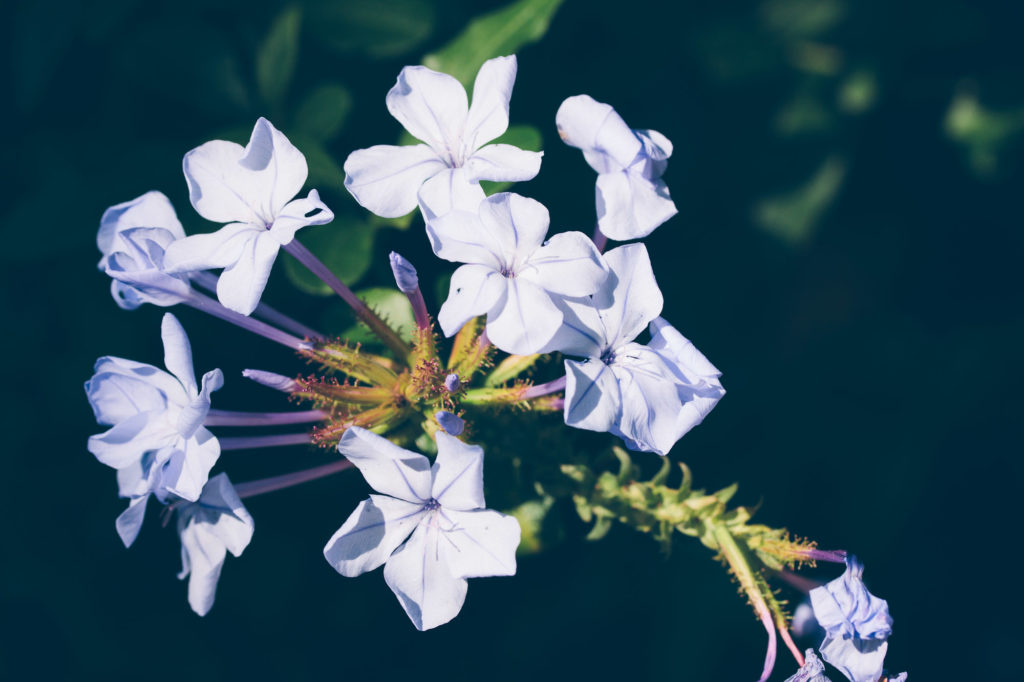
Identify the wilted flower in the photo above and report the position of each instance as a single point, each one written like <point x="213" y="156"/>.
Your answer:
<point x="813" y="670"/>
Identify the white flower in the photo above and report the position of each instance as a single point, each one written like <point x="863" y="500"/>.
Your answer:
<point x="433" y="107"/>
<point x="157" y="441"/>
<point x="651" y="395"/>
<point x="209" y="528"/>
<point x="453" y="537"/>
<point x="251" y="188"/>
<point x="632" y="200"/>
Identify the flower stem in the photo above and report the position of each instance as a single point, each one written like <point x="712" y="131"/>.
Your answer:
<point x="362" y="311"/>
<point x="267" y="485"/>
<point x="250" y="442"/>
<point x="419" y="308"/>
<point x="231" y="418"/>
<point x="552" y="386"/>
<point x="208" y="305"/>
<point x="208" y="281"/>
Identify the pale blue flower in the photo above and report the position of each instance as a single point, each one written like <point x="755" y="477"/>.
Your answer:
<point x="429" y="526"/>
<point x="157" y="441"/>
<point x="649" y="395"/>
<point x="511" y="274"/>
<point x="132" y="239"/>
<point x="209" y="528"/>
<point x="813" y="670"/>
<point x="252" y="189"/>
<point x="857" y="624"/>
<point x="632" y="200"/>
<point x="433" y="107"/>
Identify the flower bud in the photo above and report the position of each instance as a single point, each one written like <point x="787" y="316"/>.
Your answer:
<point x="405" y="274"/>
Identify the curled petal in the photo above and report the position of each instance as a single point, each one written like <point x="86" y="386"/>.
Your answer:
<point x="630" y="206"/>
<point x="526" y="321"/>
<point x="474" y="290"/>
<point x="567" y="264"/>
<point x="422" y="580"/>
<point x="607" y="142"/>
<point x="371" y="534"/>
<point x="478" y="544"/>
<point x="433" y="107"/>
<point x="503" y="163"/>
<point x="178" y="352"/>
<point x="298" y="214"/>
<point x="488" y="114"/>
<point x="593" y="400"/>
<point x="195" y="412"/>
<point x="152" y="209"/>
<point x="188" y="467"/>
<point x="458" y="474"/>
<point x="858" y="660"/>
<point x="129" y="522"/>
<point x="385" y="179"/>
<point x="203" y="557"/>
<point x="388" y="469"/>
<point x="657" y="150"/>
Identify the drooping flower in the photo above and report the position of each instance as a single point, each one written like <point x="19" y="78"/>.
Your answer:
<point x="157" y="442"/>
<point x="252" y="189"/>
<point x="651" y="395"/>
<point x="433" y="107"/>
<point x="813" y="670"/>
<point x="209" y="528"/>
<point x="428" y="526"/>
<point x="510" y="275"/>
<point x="857" y="624"/>
<point x="132" y="239"/>
<point x="632" y="199"/>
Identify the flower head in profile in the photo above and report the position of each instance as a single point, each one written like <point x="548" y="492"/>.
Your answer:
<point x="433" y="107"/>
<point x="428" y="526"/>
<point x="632" y="199"/>
<point x="813" y="670"/>
<point x="157" y="442"/>
<point x="132" y="239"/>
<point x="252" y="189"/>
<point x="648" y="395"/>
<point x="857" y="624"/>
<point x="209" y="528"/>
<point x="511" y="274"/>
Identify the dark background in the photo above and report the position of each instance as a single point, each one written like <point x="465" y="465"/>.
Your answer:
<point x="847" y="252"/>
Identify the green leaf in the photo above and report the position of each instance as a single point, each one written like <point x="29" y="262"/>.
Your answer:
<point x="502" y="32"/>
<point x="324" y="171"/>
<point x="322" y="114"/>
<point x="793" y="216"/>
<point x="522" y="136"/>
<point x="276" y="58"/>
<point x="386" y="28"/>
<point x="392" y="306"/>
<point x="345" y="246"/>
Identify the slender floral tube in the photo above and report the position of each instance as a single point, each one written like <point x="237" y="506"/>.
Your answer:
<point x="272" y="380"/>
<point x="790" y="644"/>
<point x="267" y="485"/>
<point x="251" y="442"/>
<point x="376" y="325"/>
<point x="230" y="418"/>
<point x="770" y="654"/>
<point x="552" y="386"/>
<point x="208" y="305"/>
<point x="600" y="240"/>
<point x="408" y="283"/>
<point x="208" y="281"/>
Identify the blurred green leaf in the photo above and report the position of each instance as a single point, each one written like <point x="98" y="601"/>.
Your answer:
<point x="803" y="18"/>
<point x="793" y="216"/>
<point x="323" y="113"/>
<point x="522" y="136"/>
<point x="277" y="56"/>
<point x="345" y="246"/>
<point x="983" y="132"/>
<point x="502" y="32"/>
<point x="324" y="171"/>
<point x="392" y="306"/>
<point x="380" y="29"/>
<point x="858" y="92"/>
<point x="804" y="113"/>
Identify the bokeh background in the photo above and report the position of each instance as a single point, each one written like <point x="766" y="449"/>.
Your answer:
<point x="848" y="251"/>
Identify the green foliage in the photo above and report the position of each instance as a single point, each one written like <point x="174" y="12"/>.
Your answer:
<point x="345" y="246"/>
<point x="981" y="131"/>
<point x="794" y="215"/>
<point x="385" y="28"/>
<point x="323" y="112"/>
<point x="540" y="528"/>
<point x="392" y="306"/>
<point x="502" y="32"/>
<point x="277" y="56"/>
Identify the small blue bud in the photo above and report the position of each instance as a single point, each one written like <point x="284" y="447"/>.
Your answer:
<point x="452" y="383"/>
<point x="405" y="274"/>
<point x="450" y="423"/>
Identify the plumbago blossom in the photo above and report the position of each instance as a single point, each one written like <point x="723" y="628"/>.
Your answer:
<point x="533" y="297"/>
<point x="429" y="526"/>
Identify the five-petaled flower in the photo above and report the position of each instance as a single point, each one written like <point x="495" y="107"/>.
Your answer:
<point x="251" y="188"/>
<point x="510" y="275"/>
<point x="857" y="624"/>
<point x="433" y="107"/>
<point x="632" y="199"/>
<point x="157" y="442"/>
<point x="453" y="537"/>
<point x="651" y="395"/>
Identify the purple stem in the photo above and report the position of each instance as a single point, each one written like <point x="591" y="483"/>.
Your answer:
<point x="232" y="418"/>
<point x="208" y="305"/>
<point x="249" y="442"/>
<point x="419" y="308"/>
<point x="834" y="556"/>
<point x="552" y="386"/>
<point x="769" y="657"/>
<point x="208" y="281"/>
<point x="799" y="582"/>
<point x="267" y="485"/>
<point x="600" y="240"/>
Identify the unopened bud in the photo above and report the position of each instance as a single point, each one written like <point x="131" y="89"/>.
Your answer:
<point x="270" y="380"/>
<point x="405" y="274"/>
<point x="452" y="383"/>
<point x="450" y="422"/>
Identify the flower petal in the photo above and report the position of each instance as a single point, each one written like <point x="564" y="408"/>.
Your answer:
<point x="447" y="191"/>
<point x="188" y="468"/>
<point x="478" y="544"/>
<point x="433" y="107"/>
<point x="526" y="321"/>
<point x="205" y="554"/>
<point x="650" y="402"/>
<point x="607" y="142"/>
<point x="657" y="150"/>
<point x="115" y="396"/>
<point x="221" y="511"/>
<point x="298" y="214"/>
<point x="218" y="249"/>
<point x="636" y="298"/>
<point x="166" y="383"/>
<point x="517" y="223"/>
<point x="684" y="355"/>
<point x="474" y="290"/>
<point x="592" y="397"/>
<point x="195" y="412"/>
<point x="503" y="163"/>
<point x="568" y="264"/>
<point x="583" y="331"/>
<point x="859" y="660"/>
<point x="152" y="209"/>
<point x="384" y="179"/>
<point x="128" y="440"/>
<point x="423" y="582"/>
<point x="241" y="284"/>
<point x="459" y="236"/>
<point x="488" y="114"/>
<point x="630" y="206"/>
<point x="228" y="183"/>
<point x="129" y="522"/>
<point x="178" y="353"/>
<point x="388" y="469"/>
<point x="458" y="474"/>
<point x="371" y="534"/>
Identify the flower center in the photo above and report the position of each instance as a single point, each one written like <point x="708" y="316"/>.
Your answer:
<point x="507" y="272"/>
<point x="431" y="505"/>
<point x="608" y="357"/>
